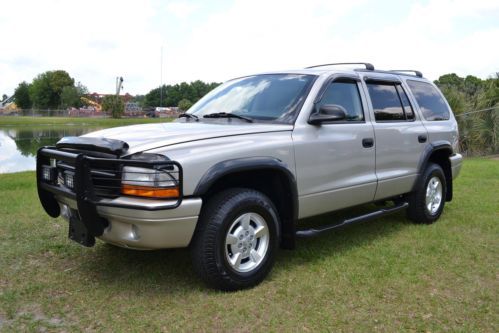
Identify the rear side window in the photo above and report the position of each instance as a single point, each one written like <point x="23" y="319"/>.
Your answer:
<point x="430" y="102"/>
<point x="386" y="102"/>
<point x="409" y="112"/>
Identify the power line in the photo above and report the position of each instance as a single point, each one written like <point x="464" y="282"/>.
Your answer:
<point x="476" y="111"/>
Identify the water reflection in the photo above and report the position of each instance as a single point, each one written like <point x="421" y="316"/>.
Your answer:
<point x="18" y="145"/>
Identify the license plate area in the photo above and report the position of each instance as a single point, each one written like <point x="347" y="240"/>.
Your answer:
<point x="78" y="232"/>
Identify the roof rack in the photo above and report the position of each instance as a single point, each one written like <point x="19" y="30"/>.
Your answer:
<point x="369" y="66"/>
<point x="417" y="73"/>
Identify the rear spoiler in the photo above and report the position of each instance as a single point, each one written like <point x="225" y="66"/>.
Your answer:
<point x="103" y="145"/>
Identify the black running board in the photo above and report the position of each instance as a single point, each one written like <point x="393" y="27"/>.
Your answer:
<point x="361" y="218"/>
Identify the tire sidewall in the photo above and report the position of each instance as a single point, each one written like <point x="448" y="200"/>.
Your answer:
<point x="434" y="171"/>
<point x="254" y="203"/>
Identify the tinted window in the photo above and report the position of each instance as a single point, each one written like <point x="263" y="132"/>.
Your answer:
<point x="409" y="113"/>
<point x="261" y="97"/>
<point x="345" y="94"/>
<point x="386" y="102"/>
<point x="430" y="102"/>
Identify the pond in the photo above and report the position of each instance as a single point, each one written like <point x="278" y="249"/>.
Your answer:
<point x="18" y="144"/>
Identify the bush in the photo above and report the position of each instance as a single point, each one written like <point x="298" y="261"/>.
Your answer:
<point x="113" y="105"/>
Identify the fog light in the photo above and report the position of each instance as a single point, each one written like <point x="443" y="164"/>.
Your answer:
<point x="69" y="180"/>
<point x="48" y="173"/>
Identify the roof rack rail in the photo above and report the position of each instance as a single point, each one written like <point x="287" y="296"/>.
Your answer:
<point x="402" y="71"/>
<point x="369" y="66"/>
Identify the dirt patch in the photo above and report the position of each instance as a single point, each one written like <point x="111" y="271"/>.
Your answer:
<point x="35" y="314"/>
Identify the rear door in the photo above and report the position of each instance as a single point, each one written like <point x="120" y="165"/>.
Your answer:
<point x="400" y="135"/>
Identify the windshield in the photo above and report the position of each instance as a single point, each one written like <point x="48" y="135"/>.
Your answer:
<point x="273" y="97"/>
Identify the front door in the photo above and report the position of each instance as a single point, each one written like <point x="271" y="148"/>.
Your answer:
<point x="335" y="161"/>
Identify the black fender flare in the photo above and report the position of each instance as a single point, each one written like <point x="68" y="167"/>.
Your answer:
<point x="440" y="145"/>
<point x="227" y="167"/>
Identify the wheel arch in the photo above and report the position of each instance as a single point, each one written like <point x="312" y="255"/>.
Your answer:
<point x="269" y="175"/>
<point x="437" y="152"/>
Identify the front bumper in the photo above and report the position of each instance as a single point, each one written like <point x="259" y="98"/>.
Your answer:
<point x="124" y="221"/>
<point x="141" y="229"/>
<point x="456" y="161"/>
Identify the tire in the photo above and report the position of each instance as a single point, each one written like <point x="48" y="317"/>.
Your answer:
<point x="427" y="202"/>
<point x="236" y="239"/>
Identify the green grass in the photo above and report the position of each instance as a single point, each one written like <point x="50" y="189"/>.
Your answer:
<point x="386" y="275"/>
<point x="104" y="122"/>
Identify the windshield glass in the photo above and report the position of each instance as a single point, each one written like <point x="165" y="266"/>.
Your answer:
<point x="274" y="97"/>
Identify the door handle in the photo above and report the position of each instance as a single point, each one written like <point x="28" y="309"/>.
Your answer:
<point x="367" y="142"/>
<point x="422" y="138"/>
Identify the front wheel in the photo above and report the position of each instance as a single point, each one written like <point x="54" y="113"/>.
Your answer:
<point x="236" y="239"/>
<point x="427" y="202"/>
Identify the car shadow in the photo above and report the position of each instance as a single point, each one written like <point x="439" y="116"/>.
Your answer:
<point x="170" y="271"/>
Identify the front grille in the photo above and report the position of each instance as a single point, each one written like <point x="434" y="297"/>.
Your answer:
<point x="106" y="181"/>
<point x="105" y="177"/>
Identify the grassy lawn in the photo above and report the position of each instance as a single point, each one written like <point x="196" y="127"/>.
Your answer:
<point x="386" y="275"/>
<point x="104" y="122"/>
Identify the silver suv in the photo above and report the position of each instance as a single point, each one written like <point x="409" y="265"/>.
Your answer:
<point x="232" y="176"/>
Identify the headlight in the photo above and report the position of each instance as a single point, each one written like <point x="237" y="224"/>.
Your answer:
<point x="150" y="183"/>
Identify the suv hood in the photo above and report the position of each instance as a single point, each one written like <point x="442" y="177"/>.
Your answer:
<point x="150" y="136"/>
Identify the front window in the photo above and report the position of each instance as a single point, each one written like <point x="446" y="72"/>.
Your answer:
<point x="267" y="97"/>
<point x="346" y="94"/>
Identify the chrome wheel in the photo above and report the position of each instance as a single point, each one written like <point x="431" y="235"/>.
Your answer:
<point x="247" y="242"/>
<point x="433" y="195"/>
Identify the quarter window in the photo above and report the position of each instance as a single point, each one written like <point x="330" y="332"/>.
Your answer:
<point x="431" y="103"/>
<point x="345" y="94"/>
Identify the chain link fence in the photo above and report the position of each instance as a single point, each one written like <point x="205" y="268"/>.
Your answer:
<point x="76" y="113"/>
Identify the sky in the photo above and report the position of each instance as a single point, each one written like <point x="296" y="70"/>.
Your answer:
<point x="214" y="41"/>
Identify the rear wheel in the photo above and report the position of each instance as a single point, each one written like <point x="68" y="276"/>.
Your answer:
<point x="427" y="202"/>
<point x="236" y="239"/>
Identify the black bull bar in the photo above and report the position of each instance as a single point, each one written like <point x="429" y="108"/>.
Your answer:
<point x="87" y="224"/>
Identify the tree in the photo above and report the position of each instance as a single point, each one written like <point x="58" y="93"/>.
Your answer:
<point x="22" y="97"/>
<point x="71" y="96"/>
<point x="114" y="105"/>
<point x="486" y="124"/>
<point x="4" y="97"/>
<point x="184" y="104"/>
<point x="46" y="89"/>
<point x="139" y="99"/>
<point x="173" y="94"/>
<point x="478" y="131"/>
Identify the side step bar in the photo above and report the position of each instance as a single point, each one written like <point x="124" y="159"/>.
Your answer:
<point x="369" y="216"/>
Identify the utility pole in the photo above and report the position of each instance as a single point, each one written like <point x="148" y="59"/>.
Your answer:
<point x="161" y="79"/>
<point x="119" y="84"/>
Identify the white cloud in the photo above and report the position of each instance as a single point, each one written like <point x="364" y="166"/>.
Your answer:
<point x="95" y="41"/>
<point x="181" y="9"/>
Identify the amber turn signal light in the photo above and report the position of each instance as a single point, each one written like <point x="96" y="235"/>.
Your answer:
<point x="150" y="192"/>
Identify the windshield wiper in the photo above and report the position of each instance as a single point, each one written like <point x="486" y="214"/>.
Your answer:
<point x="189" y="115"/>
<point x="227" y="115"/>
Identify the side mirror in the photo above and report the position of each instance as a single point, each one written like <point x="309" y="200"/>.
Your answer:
<point x="328" y="113"/>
